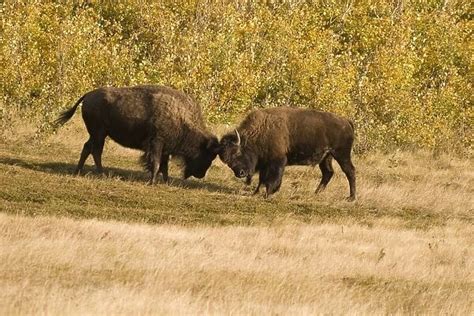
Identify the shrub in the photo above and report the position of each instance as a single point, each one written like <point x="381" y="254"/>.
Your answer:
<point x="401" y="71"/>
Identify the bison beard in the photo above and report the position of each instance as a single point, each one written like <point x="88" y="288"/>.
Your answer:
<point x="158" y="120"/>
<point x="268" y="140"/>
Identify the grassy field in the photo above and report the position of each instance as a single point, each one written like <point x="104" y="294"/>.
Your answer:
<point x="112" y="244"/>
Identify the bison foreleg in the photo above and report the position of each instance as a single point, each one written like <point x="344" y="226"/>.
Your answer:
<point x="273" y="176"/>
<point x="248" y="180"/>
<point x="257" y="189"/>
<point x="152" y="159"/>
<point x="164" y="167"/>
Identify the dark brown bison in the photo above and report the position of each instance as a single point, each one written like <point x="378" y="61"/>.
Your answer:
<point x="268" y="140"/>
<point x="158" y="120"/>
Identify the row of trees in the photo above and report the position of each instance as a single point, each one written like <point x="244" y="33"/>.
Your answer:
<point x="402" y="70"/>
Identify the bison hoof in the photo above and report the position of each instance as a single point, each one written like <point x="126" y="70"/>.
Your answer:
<point x="319" y="189"/>
<point x="267" y="196"/>
<point x="350" y="199"/>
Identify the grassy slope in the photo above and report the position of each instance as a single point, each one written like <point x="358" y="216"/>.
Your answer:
<point x="73" y="243"/>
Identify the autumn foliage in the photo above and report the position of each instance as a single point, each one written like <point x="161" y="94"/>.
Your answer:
<point x="402" y="70"/>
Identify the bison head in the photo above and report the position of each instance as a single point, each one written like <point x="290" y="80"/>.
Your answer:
<point x="197" y="166"/>
<point x="239" y="159"/>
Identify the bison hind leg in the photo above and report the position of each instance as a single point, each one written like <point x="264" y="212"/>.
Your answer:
<point x="97" y="149"/>
<point x="349" y="170"/>
<point x="86" y="151"/>
<point x="327" y="172"/>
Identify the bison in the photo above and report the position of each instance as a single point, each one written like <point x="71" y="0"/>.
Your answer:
<point x="268" y="140"/>
<point x="158" y="120"/>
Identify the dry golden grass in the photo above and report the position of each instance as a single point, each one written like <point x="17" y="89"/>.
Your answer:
<point x="58" y="265"/>
<point x="97" y="245"/>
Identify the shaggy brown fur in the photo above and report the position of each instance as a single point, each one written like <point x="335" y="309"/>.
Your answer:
<point x="158" y="120"/>
<point x="276" y="137"/>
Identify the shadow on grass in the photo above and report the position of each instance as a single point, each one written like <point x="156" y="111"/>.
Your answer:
<point x="61" y="168"/>
<point x="162" y="206"/>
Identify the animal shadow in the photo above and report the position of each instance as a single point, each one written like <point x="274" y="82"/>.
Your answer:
<point x="199" y="184"/>
<point x="61" y="168"/>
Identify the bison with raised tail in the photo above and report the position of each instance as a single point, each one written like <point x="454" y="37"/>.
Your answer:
<point x="157" y="120"/>
<point x="268" y="140"/>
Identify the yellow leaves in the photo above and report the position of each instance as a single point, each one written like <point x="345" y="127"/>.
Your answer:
<point x="402" y="75"/>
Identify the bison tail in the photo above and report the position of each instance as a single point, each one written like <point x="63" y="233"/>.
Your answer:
<point x="66" y="115"/>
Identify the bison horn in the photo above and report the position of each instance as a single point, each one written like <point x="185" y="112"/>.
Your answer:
<point x="238" y="137"/>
